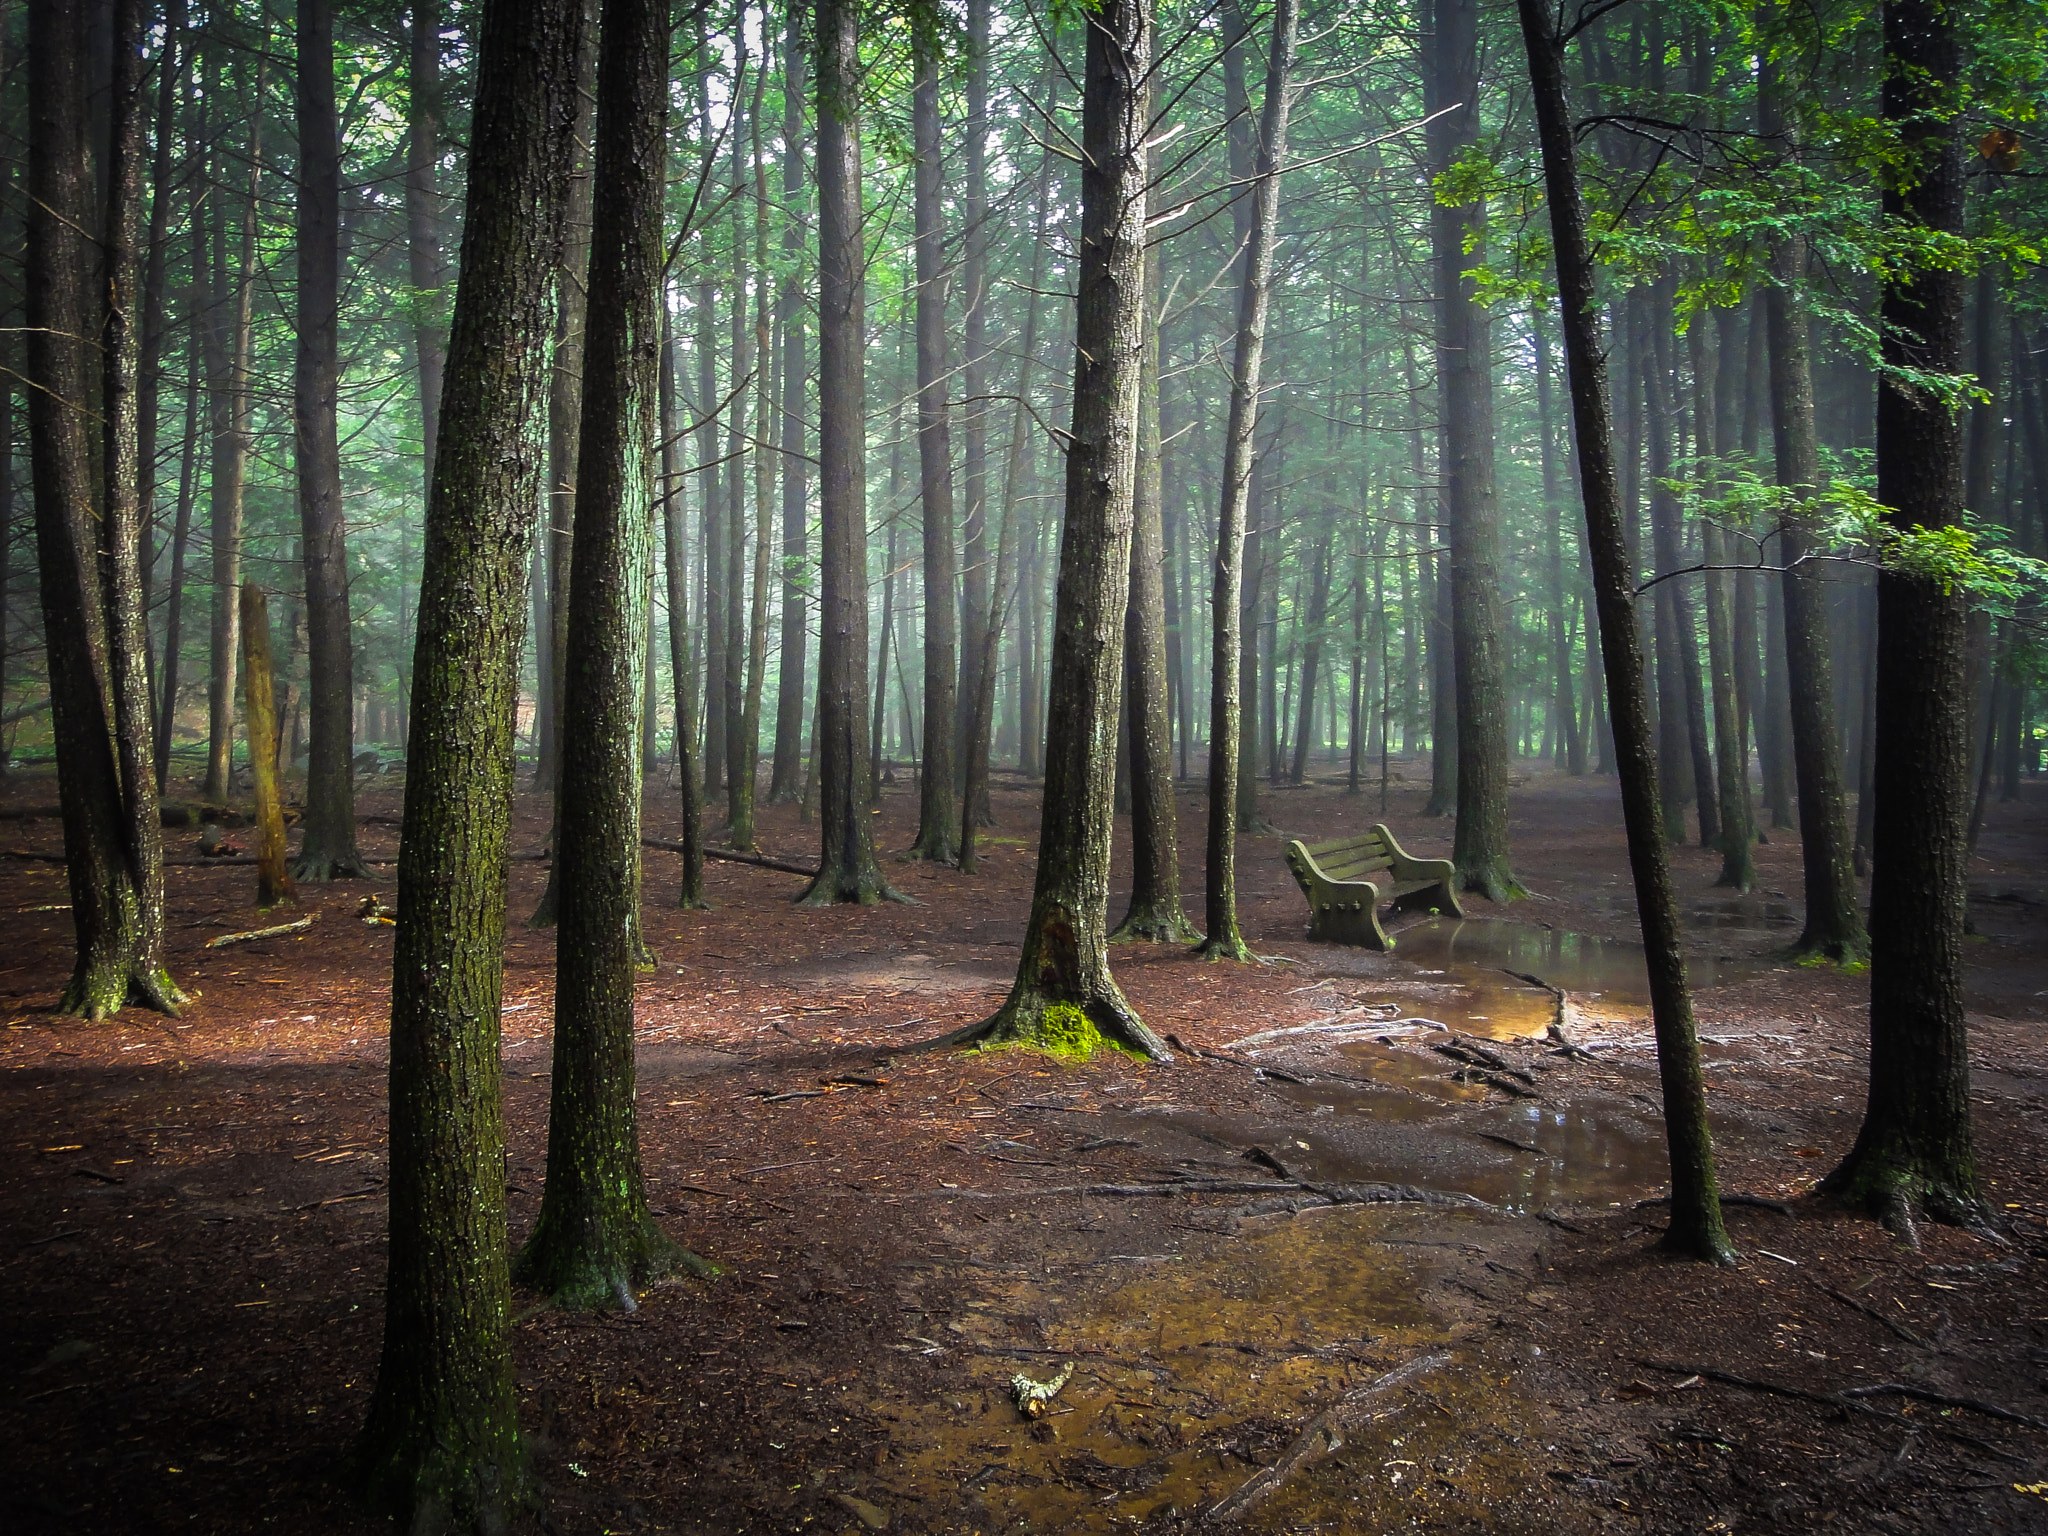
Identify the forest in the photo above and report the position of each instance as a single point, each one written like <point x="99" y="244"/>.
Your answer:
<point x="1121" y="765"/>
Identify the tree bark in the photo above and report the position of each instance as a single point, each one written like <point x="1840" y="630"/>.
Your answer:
<point x="427" y="266"/>
<point x="977" y="596"/>
<point x="675" y="549"/>
<point x="328" y="848"/>
<point x="937" y="835"/>
<point x="1064" y="999"/>
<point x="1834" y="929"/>
<point x="1696" y="1228"/>
<point x="1226" y="768"/>
<point x="847" y="870"/>
<point x="1155" y="908"/>
<point x="442" y="1436"/>
<point x="1914" y="1153"/>
<point x="595" y="1239"/>
<point x="786" y="781"/>
<point x="1465" y="379"/>
<point x="274" y="884"/>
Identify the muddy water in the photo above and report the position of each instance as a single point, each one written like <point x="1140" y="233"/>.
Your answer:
<point x="1195" y="1368"/>
<point x="1455" y="972"/>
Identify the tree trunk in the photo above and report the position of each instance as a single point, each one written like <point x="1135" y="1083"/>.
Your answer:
<point x="1696" y="1228"/>
<point x="742" y="833"/>
<point x="565" y="402"/>
<point x="442" y="1436"/>
<point x="1155" y="908"/>
<point x="978" y="598"/>
<point x="1311" y="659"/>
<point x="1736" y="824"/>
<point x="169" y="65"/>
<point x="675" y="549"/>
<point x="1565" y="710"/>
<point x="786" y="782"/>
<point x="328" y="847"/>
<point x="847" y="870"/>
<point x="259" y="727"/>
<point x="1465" y="377"/>
<point x="423" y="220"/>
<point x="181" y="540"/>
<point x="1834" y="929"/>
<point x="1227" y="615"/>
<point x="1914" y="1153"/>
<point x="937" y="836"/>
<point x="1064" y="999"/>
<point x="595" y="1238"/>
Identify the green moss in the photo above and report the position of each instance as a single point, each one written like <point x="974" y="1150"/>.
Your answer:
<point x="1068" y="1033"/>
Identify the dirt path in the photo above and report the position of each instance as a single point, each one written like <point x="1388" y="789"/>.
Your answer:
<point x="191" y="1219"/>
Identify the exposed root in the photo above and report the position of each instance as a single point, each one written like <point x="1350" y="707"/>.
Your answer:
<point x="1071" y="1029"/>
<point x="1156" y="923"/>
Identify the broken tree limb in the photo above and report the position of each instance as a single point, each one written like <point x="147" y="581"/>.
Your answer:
<point x="1897" y="1329"/>
<point x="262" y="933"/>
<point x="1325" y="1433"/>
<point x="732" y="856"/>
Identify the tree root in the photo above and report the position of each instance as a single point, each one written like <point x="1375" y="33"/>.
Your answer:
<point x="1156" y="923"/>
<point x="1074" y="1028"/>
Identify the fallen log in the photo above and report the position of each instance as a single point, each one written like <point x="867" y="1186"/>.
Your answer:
<point x="1325" y="1433"/>
<point x="262" y="933"/>
<point x="733" y="856"/>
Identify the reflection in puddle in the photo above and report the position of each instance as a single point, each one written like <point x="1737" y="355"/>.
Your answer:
<point x="1194" y="1370"/>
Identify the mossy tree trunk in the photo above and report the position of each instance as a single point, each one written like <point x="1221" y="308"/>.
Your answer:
<point x="847" y="870"/>
<point x="1064" y="997"/>
<point x="1696" y="1227"/>
<point x="786" y="782"/>
<point x="88" y="526"/>
<point x="595" y="1239"/>
<point x="938" y="836"/>
<point x="441" y="1444"/>
<point x="274" y="884"/>
<point x="1227" y="764"/>
<point x="1914" y="1153"/>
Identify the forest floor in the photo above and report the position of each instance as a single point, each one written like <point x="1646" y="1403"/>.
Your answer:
<point x="192" y="1220"/>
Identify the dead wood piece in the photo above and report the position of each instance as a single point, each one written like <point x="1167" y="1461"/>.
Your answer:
<point x="733" y="856"/>
<point x="93" y="1173"/>
<point x="28" y="856"/>
<point x="1510" y="1142"/>
<point x="1898" y="1330"/>
<point x="1274" y="1074"/>
<point x="794" y="1093"/>
<point x="1324" y="1433"/>
<point x="253" y="934"/>
<point x="1750" y="1384"/>
<point x="1552" y="1219"/>
<point x="857" y="1080"/>
<point x="1493" y="1079"/>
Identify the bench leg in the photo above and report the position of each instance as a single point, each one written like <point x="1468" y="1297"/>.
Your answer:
<point x="1431" y="898"/>
<point x="1360" y="929"/>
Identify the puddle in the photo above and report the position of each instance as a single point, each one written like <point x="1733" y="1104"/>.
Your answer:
<point x="1454" y="973"/>
<point x="1192" y="1371"/>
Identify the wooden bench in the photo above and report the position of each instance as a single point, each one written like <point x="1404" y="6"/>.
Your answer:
<point x="1347" y="878"/>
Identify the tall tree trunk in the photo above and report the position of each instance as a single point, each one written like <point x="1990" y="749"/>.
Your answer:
<point x="181" y="538"/>
<point x="732" y="574"/>
<point x="565" y="404"/>
<point x="978" y="597"/>
<point x="675" y="551"/>
<point x="170" y="65"/>
<point x="937" y="836"/>
<point x="1914" y="1153"/>
<point x="847" y="869"/>
<point x="1223" y="940"/>
<point x="1311" y="658"/>
<point x="1155" y="907"/>
<point x="1565" y="711"/>
<point x="786" y="782"/>
<point x="1834" y="929"/>
<point x="88" y="533"/>
<point x="1696" y="1228"/>
<point x="428" y="267"/>
<point x="328" y="847"/>
<point x="1465" y="377"/>
<point x="742" y="832"/>
<point x="1064" y="998"/>
<point x="442" y="1436"/>
<point x="595" y="1238"/>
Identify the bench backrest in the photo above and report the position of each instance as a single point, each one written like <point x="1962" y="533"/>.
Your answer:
<point x="1347" y="858"/>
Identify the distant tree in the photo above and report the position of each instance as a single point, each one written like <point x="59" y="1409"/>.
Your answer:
<point x="1064" y="996"/>
<point x="847" y="868"/>
<point x="327" y="849"/>
<point x="441" y="1444"/>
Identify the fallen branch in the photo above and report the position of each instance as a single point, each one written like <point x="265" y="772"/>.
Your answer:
<point x="1942" y="1399"/>
<point x="262" y="933"/>
<point x="732" y="856"/>
<point x="1324" y="1434"/>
